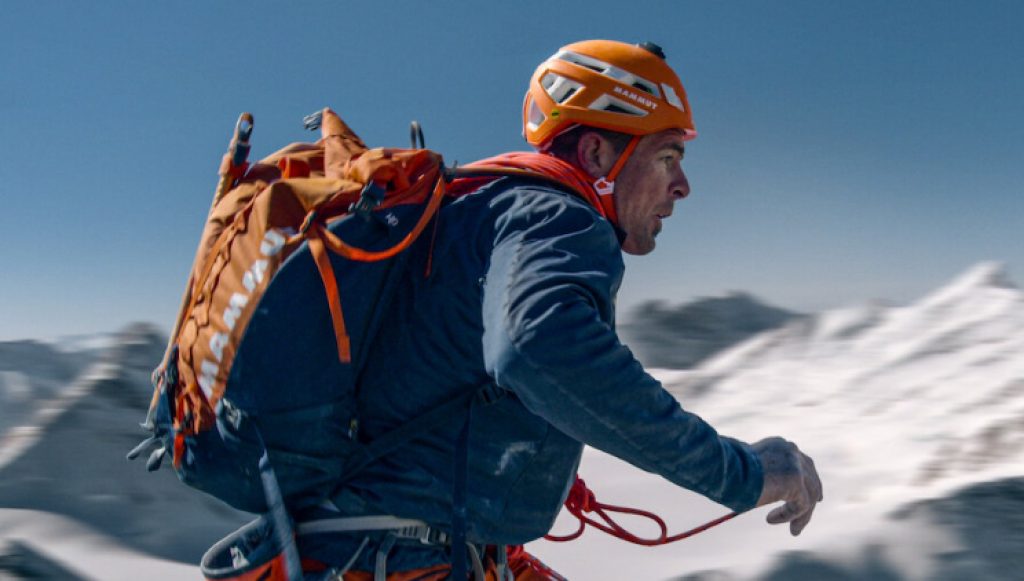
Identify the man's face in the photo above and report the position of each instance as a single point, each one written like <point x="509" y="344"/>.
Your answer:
<point x="648" y="186"/>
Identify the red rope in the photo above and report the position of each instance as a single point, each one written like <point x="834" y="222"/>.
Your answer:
<point x="581" y="500"/>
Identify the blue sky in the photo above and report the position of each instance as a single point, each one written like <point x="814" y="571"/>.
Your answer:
<point x="848" y="151"/>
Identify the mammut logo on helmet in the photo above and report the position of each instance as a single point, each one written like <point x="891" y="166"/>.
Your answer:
<point x="639" y="99"/>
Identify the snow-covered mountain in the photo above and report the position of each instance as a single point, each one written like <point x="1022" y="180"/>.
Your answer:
<point x="914" y="416"/>
<point x="70" y="460"/>
<point x="680" y="337"/>
<point x="32" y="372"/>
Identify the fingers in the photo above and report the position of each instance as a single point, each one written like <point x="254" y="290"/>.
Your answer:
<point x="796" y="512"/>
<point x="787" y="512"/>
<point x="797" y="525"/>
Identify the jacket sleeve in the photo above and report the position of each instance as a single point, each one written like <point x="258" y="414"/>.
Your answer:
<point x="554" y="270"/>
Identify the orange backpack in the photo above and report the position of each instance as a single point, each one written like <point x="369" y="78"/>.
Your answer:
<point x="285" y="200"/>
<point x="263" y="360"/>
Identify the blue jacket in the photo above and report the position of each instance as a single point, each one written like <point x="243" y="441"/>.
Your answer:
<point x="520" y="293"/>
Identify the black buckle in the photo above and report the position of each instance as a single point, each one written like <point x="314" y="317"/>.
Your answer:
<point x="313" y="121"/>
<point x="490" y="394"/>
<point x="435" y="537"/>
<point x="369" y="199"/>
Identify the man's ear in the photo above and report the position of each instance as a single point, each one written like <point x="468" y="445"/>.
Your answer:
<point x="595" y="154"/>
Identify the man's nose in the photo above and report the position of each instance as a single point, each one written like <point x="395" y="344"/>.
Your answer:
<point x="680" y="187"/>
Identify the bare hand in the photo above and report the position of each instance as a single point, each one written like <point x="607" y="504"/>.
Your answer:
<point x="790" y="476"/>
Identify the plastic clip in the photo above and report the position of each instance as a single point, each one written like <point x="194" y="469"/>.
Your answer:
<point x="416" y="136"/>
<point x="156" y="459"/>
<point x="240" y="145"/>
<point x="138" y="450"/>
<point x="450" y="173"/>
<point x="313" y="121"/>
<point x="371" y="197"/>
<point x="490" y="394"/>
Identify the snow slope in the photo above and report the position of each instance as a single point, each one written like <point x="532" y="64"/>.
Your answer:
<point x="903" y="409"/>
<point x="914" y="415"/>
<point x="83" y="551"/>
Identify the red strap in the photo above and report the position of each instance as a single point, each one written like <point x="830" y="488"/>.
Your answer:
<point x="621" y="162"/>
<point x="526" y="567"/>
<point x="535" y="164"/>
<point x="293" y="168"/>
<point x="605" y="186"/>
<point x="581" y="500"/>
<point x="179" y="450"/>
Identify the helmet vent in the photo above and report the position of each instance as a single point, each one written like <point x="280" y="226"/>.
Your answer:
<point x="536" y="116"/>
<point x="672" y="98"/>
<point x="584" y="61"/>
<point x="613" y="105"/>
<point x="610" y="71"/>
<point x="613" y="108"/>
<point x="559" y="88"/>
<point x="645" y="88"/>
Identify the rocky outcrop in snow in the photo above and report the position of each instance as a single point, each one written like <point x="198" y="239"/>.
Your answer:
<point x="681" y="337"/>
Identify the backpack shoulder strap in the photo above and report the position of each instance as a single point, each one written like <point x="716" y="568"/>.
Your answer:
<point x="533" y="165"/>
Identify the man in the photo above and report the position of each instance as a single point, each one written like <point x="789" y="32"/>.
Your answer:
<point x="514" y="295"/>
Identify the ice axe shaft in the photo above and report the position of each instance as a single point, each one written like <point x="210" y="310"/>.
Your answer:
<point x="236" y="160"/>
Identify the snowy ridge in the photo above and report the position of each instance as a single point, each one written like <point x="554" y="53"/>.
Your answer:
<point x="902" y="408"/>
<point x="945" y="375"/>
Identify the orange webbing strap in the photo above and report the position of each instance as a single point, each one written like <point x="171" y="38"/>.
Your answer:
<point x="353" y="253"/>
<point x="323" y="264"/>
<point x="605" y="186"/>
<point x="320" y="239"/>
<point x="623" y="158"/>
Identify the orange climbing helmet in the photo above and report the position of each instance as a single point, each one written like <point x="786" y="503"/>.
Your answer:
<point x="607" y="84"/>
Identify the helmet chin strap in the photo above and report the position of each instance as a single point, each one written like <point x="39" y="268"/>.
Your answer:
<point x="605" y="186"/>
